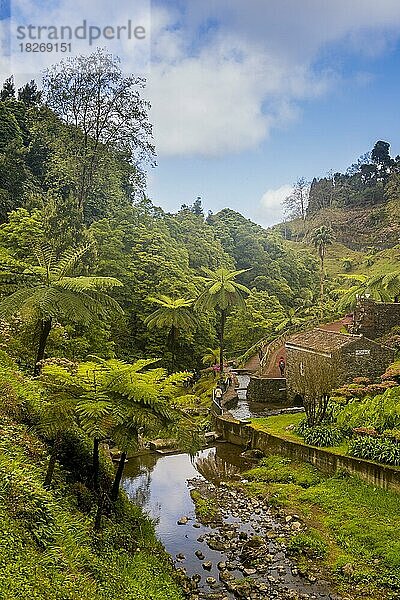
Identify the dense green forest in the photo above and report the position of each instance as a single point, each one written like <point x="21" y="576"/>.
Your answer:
<point x="107" y="302"/>
<point x="43" y="167"/>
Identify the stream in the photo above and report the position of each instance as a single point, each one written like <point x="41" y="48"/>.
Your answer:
<point x="243" y="409"/>
<point x="241" y="556"/>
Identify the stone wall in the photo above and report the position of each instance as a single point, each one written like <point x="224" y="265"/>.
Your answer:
<point x="269" y="390"/>
<point x="364" y="358"/>
<point x="374" y="319"/>
<point x="312" y="373"/>
<point x="232" y="431"/>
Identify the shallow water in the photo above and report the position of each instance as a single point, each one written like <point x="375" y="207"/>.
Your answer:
<point x="161" y="486"/>
<point x="243" y="409"/>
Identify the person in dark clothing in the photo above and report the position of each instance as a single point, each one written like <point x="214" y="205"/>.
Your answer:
<point x="282" y="366"/>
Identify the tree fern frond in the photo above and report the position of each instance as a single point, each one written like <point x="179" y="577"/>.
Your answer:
<point x="69" y="259"/>
<point x="14" y="303"/>
<point x="84" y="284"/>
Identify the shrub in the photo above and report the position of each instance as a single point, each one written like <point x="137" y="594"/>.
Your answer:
<point x="380" y="412"/>
<point x="323" y="435"/>
<point x="362" y="380"/>
<point x="392" y="372"/>
<point x="302" y="427"/>
<point x="381" y="449"/>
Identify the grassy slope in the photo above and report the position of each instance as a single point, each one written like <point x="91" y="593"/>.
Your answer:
<point x="283" y="425"/>
<point x="357" y="524"/>
<point x="47" y="546"/>
<point x="383" y="261"/>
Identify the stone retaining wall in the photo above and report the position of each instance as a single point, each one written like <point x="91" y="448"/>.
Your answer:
<point x="375" y="319"/>
<point x="267" y="390"/>
<point x="233" y="431"/>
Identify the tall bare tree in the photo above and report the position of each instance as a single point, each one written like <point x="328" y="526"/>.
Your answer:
<point x="295" y="205"/>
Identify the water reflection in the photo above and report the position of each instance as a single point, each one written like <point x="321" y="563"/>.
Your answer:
<point x="159" y="485"/>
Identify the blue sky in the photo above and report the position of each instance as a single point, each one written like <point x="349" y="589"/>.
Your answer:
<point x="247" y="95"/>
<point x="353" y="100"/>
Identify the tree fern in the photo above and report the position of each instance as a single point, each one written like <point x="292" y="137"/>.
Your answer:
<point x="47" y="290"/>
<point x="221" y="291"/>
<point x="174" y="315"/>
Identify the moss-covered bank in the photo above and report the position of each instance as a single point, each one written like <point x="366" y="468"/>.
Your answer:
<point x="48" y="547"/>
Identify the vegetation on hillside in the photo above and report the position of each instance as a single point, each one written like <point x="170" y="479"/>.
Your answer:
<point x="109" y="302"/>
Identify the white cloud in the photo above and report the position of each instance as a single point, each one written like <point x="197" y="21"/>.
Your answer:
<point x="224" y="90"/>
<point x="225" y="98"/>
<point x="224" y="74"/>
<point x="270" y="209"/>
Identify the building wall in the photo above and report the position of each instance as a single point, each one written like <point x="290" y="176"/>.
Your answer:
<point x="268" y="390"/>
<point x="374" y="319"/>
<point x="313" y="374"/>
<point x="302" y="373"/>
<point x="355" y="362"/>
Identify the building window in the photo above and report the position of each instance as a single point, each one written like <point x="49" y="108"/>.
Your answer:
<point x="301" y="369"/>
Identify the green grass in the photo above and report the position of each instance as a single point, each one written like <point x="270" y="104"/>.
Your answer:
<point x="206" y="509"/>
<point x="351" y="525"/>
<point x="278" y="425"/>
<point x="310" y="544"/>
<point x="48" y="549"/>
<point x="381" y="262"/>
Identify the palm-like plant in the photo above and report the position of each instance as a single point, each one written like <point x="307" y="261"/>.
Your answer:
<point x="90" y="407"/>
<point x="321" y="238"/>
<point x="381" y="288"/>
<point x="145" y="404"/>
<point x="48" y="290"/>
<point x="175" y="316"/>
<point x="221" y="292"/>
<point x="211" y="357"/>
<point x="110" y="398"/>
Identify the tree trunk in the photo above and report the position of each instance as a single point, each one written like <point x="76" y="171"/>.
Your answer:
<point x="99" y="512"/>
<point x="96" y="465"/>
<point x="45" y="328"/>
<point x="173" y="347"/>
<point x="322" y="280"/>
<point x="221" y="341"/>
<point x="52" y="463"/>
<point x="118" y="477"/>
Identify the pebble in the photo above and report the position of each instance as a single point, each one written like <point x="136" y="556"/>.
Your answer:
<point x="249" y="544"/>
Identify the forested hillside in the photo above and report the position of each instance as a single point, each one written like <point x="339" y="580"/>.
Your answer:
<point x="362" y="205"/>
<point x="60" y="188"/>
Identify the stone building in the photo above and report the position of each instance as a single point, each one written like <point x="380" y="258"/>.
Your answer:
<point x="317" y="361"/>
<point x="374" y="319"/>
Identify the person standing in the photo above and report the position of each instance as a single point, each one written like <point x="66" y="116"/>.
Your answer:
<point x="282" y="366"/>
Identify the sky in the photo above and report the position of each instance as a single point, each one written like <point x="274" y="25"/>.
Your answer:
<point x="249" y="95"/>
